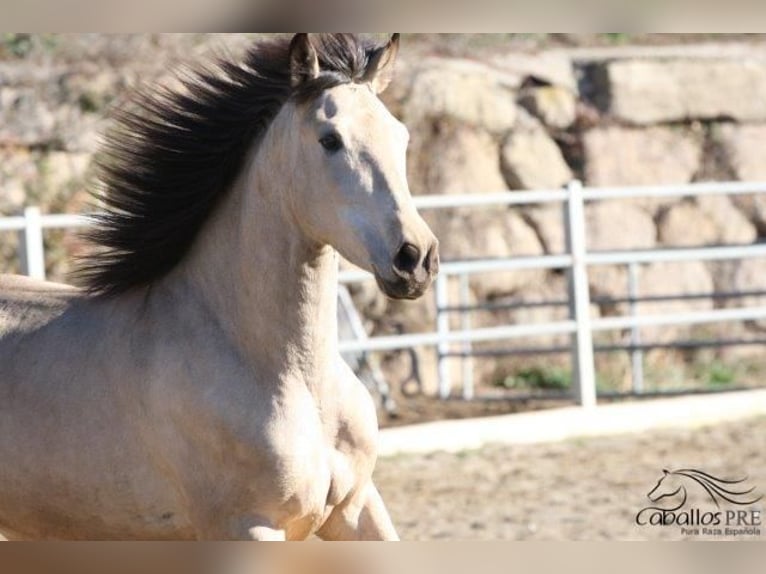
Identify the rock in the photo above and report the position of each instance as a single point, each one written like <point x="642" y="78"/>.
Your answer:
<point x="621" y="156"/>
<point x="54" y="112"/>
<point x="708" y="220"/>
<point x="743" y="146"/>
<point x="495" y="234"/>
<point x="754" y="209"/>
<point x="750" y="276"/>
<point x="648" y="92"/>
<point x="26" y="119"/>
<point x="608" y="282"/>
<point x="687" y="278"/>
<point x="549" y="68"/>
<point x="633" y="157"/>
<point x="531" y="160"/>
<point x="18" y="171"/>
<point x="78" y="131"/>
<point x="93" y="92"/>
<point x="20" y="73"/>
<point x="464" y="91"/>
<point x="555" y="106"/>
<point x="58" y="183"/>
<point x="684" y="224"/>
<point x="616" y="225"/>
<point x="12" y="197"/>
<point x="662" y="279"/>
<point x="548" y="222"/>
<point x="528" y="305"/>
<point x="733" y="226"/>
<point x="62" y="169"/>
<point x="454" y="159"/>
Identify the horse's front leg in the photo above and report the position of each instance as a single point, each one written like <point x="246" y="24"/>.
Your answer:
<point x="364" y="517"/>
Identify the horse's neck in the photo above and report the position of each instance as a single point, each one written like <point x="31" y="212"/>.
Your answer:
<point x="272" y="291"/>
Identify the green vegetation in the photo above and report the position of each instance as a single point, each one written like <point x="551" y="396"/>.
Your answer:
<point x="18" y="45"/>
<point x="550" y="378"/>
<point x="662" y="372"/>
<point x="705" y="372"/>
<point x="23" y="45"/>
<point x="720" y="374"/>
<point x="617" y="38"/>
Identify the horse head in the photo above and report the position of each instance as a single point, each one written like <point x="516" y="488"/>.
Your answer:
<point x="349" y="186"/>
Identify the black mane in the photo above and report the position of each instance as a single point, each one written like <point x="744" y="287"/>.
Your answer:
<point x="172" y="155"/>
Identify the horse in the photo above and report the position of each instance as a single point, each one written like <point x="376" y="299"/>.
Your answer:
<point x="191" y="386"/>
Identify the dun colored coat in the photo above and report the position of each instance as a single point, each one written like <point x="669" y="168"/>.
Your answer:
<point x="192" y="388"/>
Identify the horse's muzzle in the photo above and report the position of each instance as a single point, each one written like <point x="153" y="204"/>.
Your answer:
<point x="402" y="289"/>
<point x="413" y="271"/>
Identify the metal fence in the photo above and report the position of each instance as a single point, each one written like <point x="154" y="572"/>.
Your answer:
<point x="576" y="261"/>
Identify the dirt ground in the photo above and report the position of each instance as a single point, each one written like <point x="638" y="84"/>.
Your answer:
<point x="582" y="489"/>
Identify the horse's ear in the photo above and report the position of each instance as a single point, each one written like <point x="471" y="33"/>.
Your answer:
<point x="304" y="64"/>
<point x="380" y="69"/>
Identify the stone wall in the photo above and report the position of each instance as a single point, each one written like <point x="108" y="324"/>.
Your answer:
<point x="610" y="119"/>
<point x="482" y="123"/>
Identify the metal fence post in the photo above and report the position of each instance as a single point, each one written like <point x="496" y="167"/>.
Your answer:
<point x="442" y="327"/>
<point x="31" y="248"/>
<point x="583" y="369"/>
<point x="636" y="355"/>
<point x="465" y="325"/>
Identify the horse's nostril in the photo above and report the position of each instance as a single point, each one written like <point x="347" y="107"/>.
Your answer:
<point x="407" y="258"/>
<point x="431" y="262"/>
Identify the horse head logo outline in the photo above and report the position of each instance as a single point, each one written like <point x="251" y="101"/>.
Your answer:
<point x="672" y="484"/>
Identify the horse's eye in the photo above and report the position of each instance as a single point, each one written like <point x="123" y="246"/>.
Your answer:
<point x="331" y="142"/>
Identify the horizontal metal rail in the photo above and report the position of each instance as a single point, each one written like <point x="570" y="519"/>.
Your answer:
<point x="689" y="318"/>
<point x="690" y="189"/>
<point x="606" y="300"/>
<point x="392" y="342"/>
<point x="490" y="199"/>
<point x="680" y="254"/>
<point x="31" y="225"/>
<point x="609" y="348"/>
<point x="49" y="221"/>
<point x="588" y="194"/>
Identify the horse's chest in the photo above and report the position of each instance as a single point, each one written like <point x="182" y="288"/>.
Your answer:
<point x="313" y="480"/>
<point x="315" y="490"/>
<point x="295" y="462"/>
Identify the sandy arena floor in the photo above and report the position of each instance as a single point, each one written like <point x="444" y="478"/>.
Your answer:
<point x="582" y="489"/>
